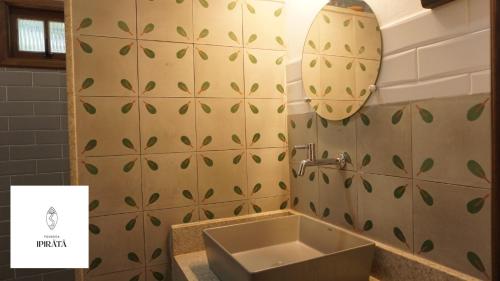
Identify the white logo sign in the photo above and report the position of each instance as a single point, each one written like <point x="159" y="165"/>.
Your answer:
<point x="49" y="227"/>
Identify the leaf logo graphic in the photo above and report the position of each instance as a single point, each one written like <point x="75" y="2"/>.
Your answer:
<point x="51" y="218"/>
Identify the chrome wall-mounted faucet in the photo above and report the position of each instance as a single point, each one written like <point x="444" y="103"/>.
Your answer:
<point x="311" y="160"/>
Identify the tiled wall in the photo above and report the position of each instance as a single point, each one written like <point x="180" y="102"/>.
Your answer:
<point x="418" y="177"/>
<point x="33" y="149"/>
<point x="180" y="116"/>
<point x="420" y="153"/>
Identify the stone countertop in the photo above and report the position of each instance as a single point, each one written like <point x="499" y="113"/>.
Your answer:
<point x="194" y="267"/>
<point x="389" y="264"/>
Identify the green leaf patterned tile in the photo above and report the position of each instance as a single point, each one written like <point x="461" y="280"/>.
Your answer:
<point x="426" y="247"/>
<point x="400" y="236"/>
<point x="86" y="47"/>
<point x="129" y="166"/>
<point x="204" y="3"/>
<point x="476" y="169"/>
<point x="476" y="111"/>
<point x="124" y="27"/>
<point x="426" y="196"/>
<point x="131" y="224"/>
<point x="426" y="166"/>
<point x="368" y="225"/>
<point x="87" y="83"/>
<point x="400" y="191"/>
<point x="86" y="22"/>
<point x="125" y="49"/>
<point x="475" y="205"/>
<point x="93" y="205"/>
<point x="95" y="263"/>
<point x="426" y="115"/>
<point x="477" y="263"/>
<point x="148" y="28"/>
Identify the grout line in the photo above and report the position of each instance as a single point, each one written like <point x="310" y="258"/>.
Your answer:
<point x="136" y="98"/>
<point x="182" y="42"/>
<point x="245" y="98"/>
<point x="185" y="206"/>
<point x="412" y="177"/>
<point x="195" y="99"/>
<point x="172" y="97"/>
<point x="179" y="152"/>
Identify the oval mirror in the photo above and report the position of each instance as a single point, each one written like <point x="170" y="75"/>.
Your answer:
<point x="341" y="58"/>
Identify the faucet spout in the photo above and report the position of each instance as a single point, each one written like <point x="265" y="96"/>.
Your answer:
<point x="311" y="160"/>
<point x="302" y="167"/>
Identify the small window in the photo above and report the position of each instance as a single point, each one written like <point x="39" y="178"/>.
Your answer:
<point x="32" y="34"/>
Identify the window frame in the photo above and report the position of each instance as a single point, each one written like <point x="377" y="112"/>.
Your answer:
<point x="10" y="12"/>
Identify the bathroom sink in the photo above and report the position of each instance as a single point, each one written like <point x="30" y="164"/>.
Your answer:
<point x="292" y="248"/>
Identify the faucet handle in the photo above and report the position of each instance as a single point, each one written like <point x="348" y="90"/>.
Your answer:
<point x="305" y="146"/>
<point x="311" y="150"/>
<point x="301" y="146"/>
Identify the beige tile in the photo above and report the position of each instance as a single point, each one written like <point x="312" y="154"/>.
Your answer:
<point x="367" y="37"/>
<point x="156" y="228"/>
<point x="272" y="113"/>
<point x="338" y="30"/>
<point x="267" y="172"/>
<point x="105" y="66"/>
<point x="305" y="190"/>
<point x="209" y="28"/>
<point x="118" y="243"/>
<point x="388" y="153"/>
<point x="366" y="72"/>
<point x="459" y="150"/>
<point x="450" y="222"/>
<point x="222" y="176"/>
<point x="223" y="210"/>
<point x="177" y="131"/>
<point x="107" y="126"/>
<point x="338" y="194"/>
<point x="264" y="25"/>
<point x="311" y="74"/>
<point x="383" y="216"/>
<point x="335" y="137"/>
<point x="265" y="73"/>
<point x="337" y="78"/>
<point x="95" y="17"/>
<point x="312" y="44"/>
<point x="302" y="129"/>
<point x="211" y="135"/>
<point x="269" y="204"/>
<point x="169" y="180"/>
<point x="154" y="24"/>
<point x="114" y="183"/>
<point x="125" y="275"/>
<point x="218" y="71"/>
<point x="158" y="60"/>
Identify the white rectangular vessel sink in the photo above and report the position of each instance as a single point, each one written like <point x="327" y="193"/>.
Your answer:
<point x="292" y="248"/>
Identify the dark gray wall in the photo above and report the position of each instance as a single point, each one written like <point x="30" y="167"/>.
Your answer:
<point x="33" y="149"/>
